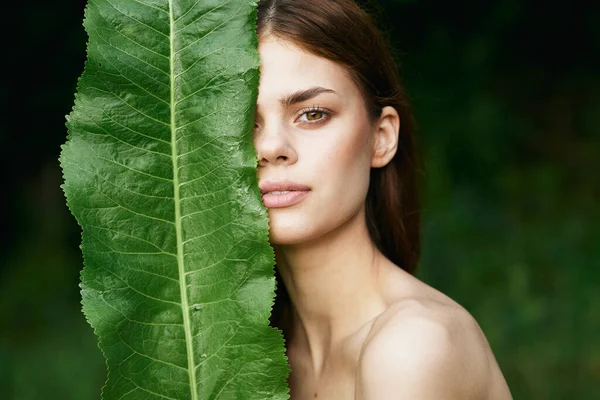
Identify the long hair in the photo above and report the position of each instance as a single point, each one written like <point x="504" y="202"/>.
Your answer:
<point x="342" y="32"/>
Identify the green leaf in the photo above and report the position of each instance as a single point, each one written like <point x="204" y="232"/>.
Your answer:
<point x="160" y="172"/>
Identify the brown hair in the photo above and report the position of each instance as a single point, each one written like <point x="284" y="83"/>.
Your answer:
<point x="342" y="32"/>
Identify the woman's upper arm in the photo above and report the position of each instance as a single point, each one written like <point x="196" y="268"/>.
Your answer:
<point x="419" y="358"/>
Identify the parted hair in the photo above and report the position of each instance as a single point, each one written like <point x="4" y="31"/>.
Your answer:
<point x="343" y="32"/>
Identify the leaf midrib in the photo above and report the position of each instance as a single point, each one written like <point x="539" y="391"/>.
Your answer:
<point x="178" y="231"/>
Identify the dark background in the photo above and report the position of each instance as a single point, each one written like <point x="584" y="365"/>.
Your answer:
<point x="507" y="98"/>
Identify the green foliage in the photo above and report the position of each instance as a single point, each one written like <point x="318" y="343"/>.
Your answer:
<point x="160" y="173"/>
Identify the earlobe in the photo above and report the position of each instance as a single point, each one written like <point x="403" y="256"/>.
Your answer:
<point x="385" y="141"/>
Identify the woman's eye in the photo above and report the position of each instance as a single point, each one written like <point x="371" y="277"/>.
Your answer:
<point x="314" y="115"/>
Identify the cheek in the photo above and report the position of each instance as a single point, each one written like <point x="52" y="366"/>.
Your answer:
<point x="343" y="171"/>
<point x="351" y="160"/>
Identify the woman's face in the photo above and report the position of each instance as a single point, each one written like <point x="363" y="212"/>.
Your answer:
<point x="323" y="142"/>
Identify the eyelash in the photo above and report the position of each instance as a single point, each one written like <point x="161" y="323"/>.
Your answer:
<point x="318" y="109"/>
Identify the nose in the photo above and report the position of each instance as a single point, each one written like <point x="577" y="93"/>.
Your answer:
<point x="273" y="145"/>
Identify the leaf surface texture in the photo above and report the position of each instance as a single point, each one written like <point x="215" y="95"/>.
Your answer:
<point x="160" y="172"/>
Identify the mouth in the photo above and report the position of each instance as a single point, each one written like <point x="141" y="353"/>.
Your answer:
<point x="278" y="194"/>
<point x="284" y="198"/>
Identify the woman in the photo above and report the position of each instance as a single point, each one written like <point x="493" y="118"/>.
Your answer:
<point x="336" y="169"/>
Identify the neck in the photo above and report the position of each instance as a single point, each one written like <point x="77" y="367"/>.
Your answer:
<point x="334" y="286"/>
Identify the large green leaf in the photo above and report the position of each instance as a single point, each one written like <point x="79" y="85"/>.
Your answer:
<point x="160" y="172"/>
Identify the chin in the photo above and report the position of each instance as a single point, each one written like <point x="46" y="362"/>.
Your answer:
<point x="284" y="230"/>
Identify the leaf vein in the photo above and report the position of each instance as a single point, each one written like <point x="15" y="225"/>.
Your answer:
<point x="136" y="20"/>
<point x="119" y="187"/>
<point x="151" y="6"/>
<point x="134" y="212"/>
<point x="138" y="291"/>
<point x="203" y="15"/>
<point x="208" y="33"/>
<point x="133" y="169"/>
<point x="107" y="43"/>
<point x="107" y="59"/>
<point x="129" y="235"/>
<point x="107" y="133"/>
<point x="129" y="105"/>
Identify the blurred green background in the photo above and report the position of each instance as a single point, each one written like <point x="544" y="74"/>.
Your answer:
<point x="507" y="98"/>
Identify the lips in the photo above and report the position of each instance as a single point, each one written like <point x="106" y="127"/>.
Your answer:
<point x="282" y="193"/>
<point x="282" y="186"/>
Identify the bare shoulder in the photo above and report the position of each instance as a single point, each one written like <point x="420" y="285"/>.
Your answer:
<point x="428" y="348"/>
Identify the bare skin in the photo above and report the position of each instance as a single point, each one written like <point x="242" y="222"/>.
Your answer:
<point x="360" y="328"/>
<point x="412" y="308"/>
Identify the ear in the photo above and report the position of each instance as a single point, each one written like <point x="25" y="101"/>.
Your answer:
<point x="385" y="141"/>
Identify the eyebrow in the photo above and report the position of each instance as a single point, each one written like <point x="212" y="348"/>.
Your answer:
<point x="303" y="95"/>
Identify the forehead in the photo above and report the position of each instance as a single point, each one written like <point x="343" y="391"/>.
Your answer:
<point x="285" y="68"/>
